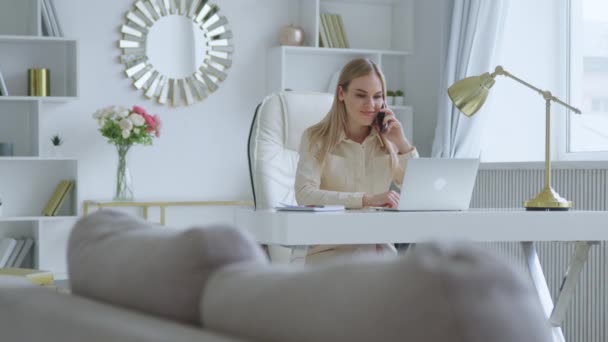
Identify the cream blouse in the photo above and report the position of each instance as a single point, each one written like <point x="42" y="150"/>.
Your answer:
<point x="350" y="170"/>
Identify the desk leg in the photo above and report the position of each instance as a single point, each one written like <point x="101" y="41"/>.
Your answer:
<point x="298" y="255"/>
<point x="287" y="254"/>
<point x="540" y="282"/>
<point x="581" y="254"/>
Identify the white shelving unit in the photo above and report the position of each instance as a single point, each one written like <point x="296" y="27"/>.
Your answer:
<point x="381" y="30"/>
<point x="28" y="179"/>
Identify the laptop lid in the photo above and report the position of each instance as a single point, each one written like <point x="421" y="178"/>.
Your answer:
<point x="438" y="184"/>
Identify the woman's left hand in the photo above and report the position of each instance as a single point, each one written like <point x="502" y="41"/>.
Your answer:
<point x="394" y="131"/>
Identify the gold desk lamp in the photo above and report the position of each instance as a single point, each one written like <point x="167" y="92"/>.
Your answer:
<point x="469" y="94"/>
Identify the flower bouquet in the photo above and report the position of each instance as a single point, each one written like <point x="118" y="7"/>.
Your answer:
<point x="124" y="128"/>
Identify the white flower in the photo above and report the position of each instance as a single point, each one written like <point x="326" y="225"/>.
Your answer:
<point x="107" y="113"/>
<point x="137" y="119"/>
<point x="102" y="113"/>
<point x="123" y="113"/>
<point x="126" y="124"/>
<point x="136" y="130"/>
<point x="126" y="133"/>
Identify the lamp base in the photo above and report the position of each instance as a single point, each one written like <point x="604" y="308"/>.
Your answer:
<point x="547" y="200"/>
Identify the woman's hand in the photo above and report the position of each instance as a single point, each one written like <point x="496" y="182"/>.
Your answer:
<point x="388" y="199"/>
<point x="394" y="131"/>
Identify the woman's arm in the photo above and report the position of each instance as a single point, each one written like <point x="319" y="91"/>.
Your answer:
<point x="308" y="182"/>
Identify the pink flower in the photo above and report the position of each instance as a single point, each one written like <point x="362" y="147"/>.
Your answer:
<point x="158" y="124"/>
<point x="139" y="110"/>
<point x="150" y="122"/>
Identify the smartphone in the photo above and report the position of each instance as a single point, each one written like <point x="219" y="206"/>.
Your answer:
<point x="379" y="121"/>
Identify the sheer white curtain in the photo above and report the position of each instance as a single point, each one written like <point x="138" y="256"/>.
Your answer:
<point x="475" y="33"/>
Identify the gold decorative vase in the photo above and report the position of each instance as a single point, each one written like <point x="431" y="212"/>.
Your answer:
<point x="38" y="82"/>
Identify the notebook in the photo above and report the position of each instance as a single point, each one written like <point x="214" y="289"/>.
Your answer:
<point x="437" y="184"/>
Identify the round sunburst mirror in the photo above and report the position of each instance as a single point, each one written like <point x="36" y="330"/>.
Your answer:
<point x="177" y="51"/>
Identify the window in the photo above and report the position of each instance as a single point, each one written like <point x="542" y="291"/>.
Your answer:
<point x="588" y="82"/>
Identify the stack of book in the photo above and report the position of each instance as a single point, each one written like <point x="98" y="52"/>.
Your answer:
<point x="59" y="195"/>
<point x="38" y="277"/>
<point x="14" y="252"/>
<point x="331" y="31"/>
<point x="50" y="24"/>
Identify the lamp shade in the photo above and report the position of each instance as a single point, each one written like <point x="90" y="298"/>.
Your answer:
<point x="469" y="94"/>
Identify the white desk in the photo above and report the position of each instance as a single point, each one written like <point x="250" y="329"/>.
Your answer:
<point x="365" y="227"/>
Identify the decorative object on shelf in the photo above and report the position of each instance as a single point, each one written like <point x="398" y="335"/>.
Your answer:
<point x="124" y="128"/>
<point x="399" y="99"/>
<point x="390" y="97"/>
<point x="6" y="149"/>
<point x="56" y="143"/>
<point x="291" y="35"/>
<point x="3" y="89"/>
<point x="177" y="52"/>
<point x="469" y="94"/>
<point x="38" y="82"/>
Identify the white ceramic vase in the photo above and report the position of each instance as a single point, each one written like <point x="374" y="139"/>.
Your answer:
<point x="291" y="35"/>
<point x="398" y="101"/>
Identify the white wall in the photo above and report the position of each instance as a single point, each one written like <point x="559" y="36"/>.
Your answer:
<point x="201" y="154"/>
<point x="431" y="27"/>
<point x="532" y="51"/>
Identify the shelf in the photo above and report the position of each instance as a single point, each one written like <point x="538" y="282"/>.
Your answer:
<point x="332" y="51"/>
<point x="59" y="55"/>
<point x="366" y="2"/>
<point x="28" y="178"/>
<point x="38" y="98"/>
<point x="37" y="159"/>
<point x="34" y="218"/>
<point x="400" y="108"/>
<point x="37" y="39"/>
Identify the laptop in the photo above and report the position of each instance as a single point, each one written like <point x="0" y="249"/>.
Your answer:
<point x="437" y="184"/>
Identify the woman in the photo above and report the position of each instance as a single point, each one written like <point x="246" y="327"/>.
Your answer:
<point x="348" y="158"/>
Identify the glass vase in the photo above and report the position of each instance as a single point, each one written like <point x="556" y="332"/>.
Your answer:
<point x="124" y="184"/>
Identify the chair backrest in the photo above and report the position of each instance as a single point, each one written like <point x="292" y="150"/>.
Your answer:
<point x="274" y="139"/>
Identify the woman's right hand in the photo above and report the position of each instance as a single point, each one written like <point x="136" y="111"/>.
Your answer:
<point x="389" y="199"/>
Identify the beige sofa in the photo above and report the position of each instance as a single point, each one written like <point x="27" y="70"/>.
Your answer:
<point x="133" y="281"/>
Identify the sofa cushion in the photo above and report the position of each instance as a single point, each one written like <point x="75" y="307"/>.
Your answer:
<point x="436" y="293"/>
<point x="116" y="258"/>
<point x="31" y="313"/>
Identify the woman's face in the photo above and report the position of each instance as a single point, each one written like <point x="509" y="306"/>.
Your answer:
<point x="363" y="99"/>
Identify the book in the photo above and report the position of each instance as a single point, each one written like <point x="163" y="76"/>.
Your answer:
<point x="37" y="277"/>
<point x="53" y="14"/>
<point x="25" y="251"/>
<point x="3" y="89"/>
<point x="56" y="198"/>
<point x="15" y="253"/>
<point x="63" y="197"/>
<point x="289" y="207"/>
<point x="333" y="18"/>
<point x="343" y="32"/>
<point x="47" y="29"/>
<point x="331" y="37"/>
<point x="323" y="37"/>
<point x="6" y="248"/>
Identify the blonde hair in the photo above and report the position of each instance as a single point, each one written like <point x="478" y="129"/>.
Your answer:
<point x="323" y="136"/>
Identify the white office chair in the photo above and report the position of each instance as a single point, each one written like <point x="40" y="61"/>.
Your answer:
<point x="274" y="139"/>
